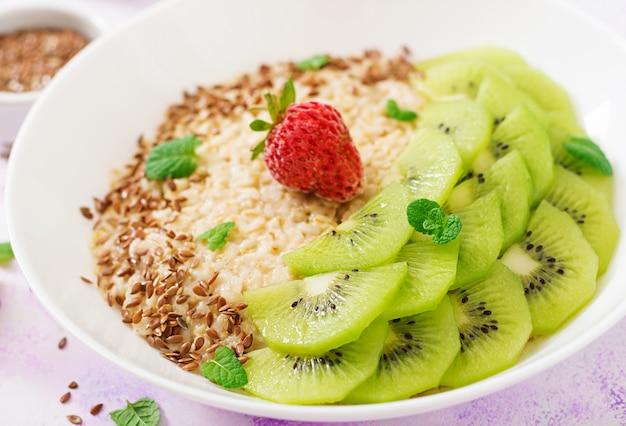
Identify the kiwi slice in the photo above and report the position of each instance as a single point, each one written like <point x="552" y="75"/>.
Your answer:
<point x="325" y="311"/>
<point x="431" y="271"/>
<point x="590" y="210"/>
<point x="510" y="179"/>
<point x="416" y="353"/>
<point x="494" y="325"/>
<point x="430" y="165"/>
<point x="481" y="238"/>
<point x="495" y="55"/>
<point x="467" y="122"/>
<point x="556" y="264"/>
<point x="371" y="236"/>
<point x="315" y="379"/>
<point x="521" y="131"/>
<point x="501" y="96"/>
<point x="459" y="77"/>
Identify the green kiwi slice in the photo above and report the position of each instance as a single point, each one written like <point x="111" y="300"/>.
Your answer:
<point x="501" y="96"/>
<point x="521" y="131"/>
<point x="481" y="238"/>
<point x="466" y="121"/>
<point x="510" y="179"/>
<point x="458" y="77"/>
<point x="430" y="165"/>
<point x="431" y="271"/>
<point x="325" y="311"/>
<point x="371" y="236"/>
<point x="494" y="325"/>
<point x="315" y="379"/>
<point x="417" y="352"/>
<point x="556" y="264"/>
<point x="590" y="210"/>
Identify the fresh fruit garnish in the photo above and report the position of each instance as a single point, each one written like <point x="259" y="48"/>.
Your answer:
<point x="417" y="352"/>
<point x="371" y="236"/>
<point x="556" y="264"/>
<point x="325" y="311"/>
<point x="315" y="379"/>
<point x="493" y="323"/>
<point x="309" y="148"/>
<point x="427" y="217"/>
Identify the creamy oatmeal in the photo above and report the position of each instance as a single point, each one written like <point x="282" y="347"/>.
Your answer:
<point x="186" y="299"/>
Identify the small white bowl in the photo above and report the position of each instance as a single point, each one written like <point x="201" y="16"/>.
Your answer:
<point x="48" y="15"/>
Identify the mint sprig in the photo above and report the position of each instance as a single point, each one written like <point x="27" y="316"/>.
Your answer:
<point x="587" y="151"/>
<point x="276" y="106"/>
<point x="143" y="412"/>
<point x="427" y="217"/>
<point x="225" y="369"/>
<point x="6" y="252"/>
<point x="315" y="62"/>
<point x="394" y="111"/>
<point x="216" y="237"/>
<point x="175" y="158"/>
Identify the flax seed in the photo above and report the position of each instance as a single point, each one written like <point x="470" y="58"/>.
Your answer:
<point x="62" y="343"/>
<point x="65" y="397"/>
<point x="74" y="419"/>
<point x="95" y="410"/>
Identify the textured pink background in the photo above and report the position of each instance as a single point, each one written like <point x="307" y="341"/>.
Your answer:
<point x="587" y="389"/>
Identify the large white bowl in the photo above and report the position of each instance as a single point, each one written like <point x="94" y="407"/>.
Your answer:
<point x="89" y="118"/>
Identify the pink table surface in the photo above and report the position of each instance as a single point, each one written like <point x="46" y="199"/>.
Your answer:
<point x="588" y="388"/>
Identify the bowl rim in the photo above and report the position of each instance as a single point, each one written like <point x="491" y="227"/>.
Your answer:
<point x="63" y="15"/>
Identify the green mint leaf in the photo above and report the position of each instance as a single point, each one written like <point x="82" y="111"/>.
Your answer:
<point x="6" y="252"/>
<point x="143" y="412"/>
<point x="587" y="151"/>
<point x="225" y="369"/>
<point x="216" y="237"/>
<point x="287" y="96"/>
<point x="258" y="149"/>
<point x="173" y="159"/>
<point x="451" y="229"/>
<point x="423" y="215"/>
<point x="393" y="111"/>
<point x="260" y="125"/>
<point x="427" y="217"/>
<point x="272" y="106"/>
<point x="315" y="62"/>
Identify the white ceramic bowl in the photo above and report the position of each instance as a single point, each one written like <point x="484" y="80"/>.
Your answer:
<point x="89" y="118"/>
<point x="49" y="15"/>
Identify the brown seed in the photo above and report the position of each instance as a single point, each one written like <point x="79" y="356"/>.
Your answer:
<point x="190" y="366"/>
<point x="213" y="348"/>
<point x="247" y="341"/>
<point x="241" y="306"/>
<point x="243" y="359"/>
<point x="74" y="419"/>
<point x="62" y="342"/>
<point x="184" y="348"/>
<point x="86" y="280"/>
<point x="72" y="385"/>
<point x="212" y="333"/>
<point x="65" y="397"/>
<point x="86" y="212"/>
<point x="95" y="410"/>
<point x="198" y="290"/>
<point x="198" y="343"/>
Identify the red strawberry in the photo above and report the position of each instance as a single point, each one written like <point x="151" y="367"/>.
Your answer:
<point x="309" y="148"/>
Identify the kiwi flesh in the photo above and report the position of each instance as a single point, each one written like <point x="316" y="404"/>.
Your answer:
<point x="371" y="236"/>
<point x="417" y="351"/>
<point x="467" y="122"/>
<point x="431" y="271"/>
<point x="454" y="78"/>
<point x="481" y="238"/>
<point x="510" y="179"/>
<point x="500" y="96"/>
<point x="315" y="379"/>
<point x="590" y="210"/>
<point x="322" y="312"/>
<point x="494" y="325"/>
<point x="521" y="131"/>
<point x="429" y="166"/>
<point x="557" y="266"/>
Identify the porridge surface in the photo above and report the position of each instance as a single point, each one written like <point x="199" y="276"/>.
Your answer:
<point x="187" y="299"/>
